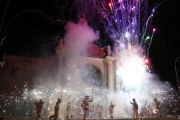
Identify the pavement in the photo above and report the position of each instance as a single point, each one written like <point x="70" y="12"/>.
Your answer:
<point x="30" y="118"/>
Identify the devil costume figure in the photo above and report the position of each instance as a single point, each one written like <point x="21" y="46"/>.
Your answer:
<point x="85" y="106"/>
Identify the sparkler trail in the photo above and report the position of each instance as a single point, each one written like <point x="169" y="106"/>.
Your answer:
<point x="150" y="43"/>
<point x="147" y="22"/>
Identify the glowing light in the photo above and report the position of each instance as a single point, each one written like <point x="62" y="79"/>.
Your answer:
<point x="131" y="70"/>
<point x="154" y="29"/>
<point x="154" y="111"/>
<point x="110" y="4"/>
<point x="89" y="88"/>
<point x="39" y="92"/>
<point x="127" y="35"/>
<point x="147" y="38"/>
<point x="122" y="45"/>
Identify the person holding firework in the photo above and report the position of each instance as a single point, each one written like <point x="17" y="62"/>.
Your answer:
<point x="85" y="106"/>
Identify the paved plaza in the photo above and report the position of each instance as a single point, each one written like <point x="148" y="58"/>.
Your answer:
<point x="28" y="118"/>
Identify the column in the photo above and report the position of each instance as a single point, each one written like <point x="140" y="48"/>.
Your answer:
<point x="110" y="75"/>
<point x="105" y="73"/>
<point x="117" y="78"/>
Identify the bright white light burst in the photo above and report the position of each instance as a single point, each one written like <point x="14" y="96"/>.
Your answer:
<point x="131" y="69"/>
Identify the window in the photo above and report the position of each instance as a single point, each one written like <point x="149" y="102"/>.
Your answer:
<point x="32" y="74"/>
<point x="14" y="73"/>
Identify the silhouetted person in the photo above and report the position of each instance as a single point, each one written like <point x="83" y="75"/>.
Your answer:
<point x="56" y="110"/>
<point x="148" y="109"/>
<point x="39" y="108"/>
<point x="158" y="107"/>
<point x="68" y="110"/>
<point x="111" y="110"/>
<point x="99" y="110"/>
<point x="135" y="107"/>
<point x="91" y="111"/>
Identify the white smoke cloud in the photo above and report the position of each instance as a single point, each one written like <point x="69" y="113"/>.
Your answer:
<point x="137" y="82"/>
<point x="78" y="36"/>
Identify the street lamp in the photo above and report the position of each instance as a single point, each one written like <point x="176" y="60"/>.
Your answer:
<point x="177" y="74"/>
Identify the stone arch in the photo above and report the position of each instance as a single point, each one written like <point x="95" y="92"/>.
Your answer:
<point x="91" y="74"/>
<point x="96" y="62"/>
<point x="97" y="67"/>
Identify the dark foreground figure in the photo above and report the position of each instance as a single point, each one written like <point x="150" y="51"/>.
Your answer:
<point x="1" y="118"/>
<point x="68" y="110"/>
<point x="56" y="110"/>
<point x="158" y="107"/>
<point x="39" y="108"/>
<point x="111" y="109"/>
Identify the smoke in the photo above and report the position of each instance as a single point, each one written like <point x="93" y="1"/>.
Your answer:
<point x="78" y="36"/>
<point x="77" y="79"/>
<point x="72" y="78"/>
<point x="78" y="73"/>
<point x="137" y="81"/>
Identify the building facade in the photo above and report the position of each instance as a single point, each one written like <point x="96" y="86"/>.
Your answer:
<point x="19" y="71"/>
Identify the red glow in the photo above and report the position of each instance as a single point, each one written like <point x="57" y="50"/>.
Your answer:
<point x="110" y="4"/>
<point x="147" y="61"/>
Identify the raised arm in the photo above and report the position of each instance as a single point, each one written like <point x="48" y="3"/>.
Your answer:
<point x="82" y="104"/>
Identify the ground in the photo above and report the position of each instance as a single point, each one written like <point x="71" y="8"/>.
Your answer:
<point x="163" y="118"/>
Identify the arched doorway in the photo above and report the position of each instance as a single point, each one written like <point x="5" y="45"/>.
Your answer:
<point x="91" y="75"/>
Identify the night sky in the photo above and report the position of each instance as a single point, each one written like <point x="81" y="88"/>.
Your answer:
<point x="33" y="30"/>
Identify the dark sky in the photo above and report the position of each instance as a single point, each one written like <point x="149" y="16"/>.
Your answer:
<point x="32" y="31"/>
<point x="165" y="45"/>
